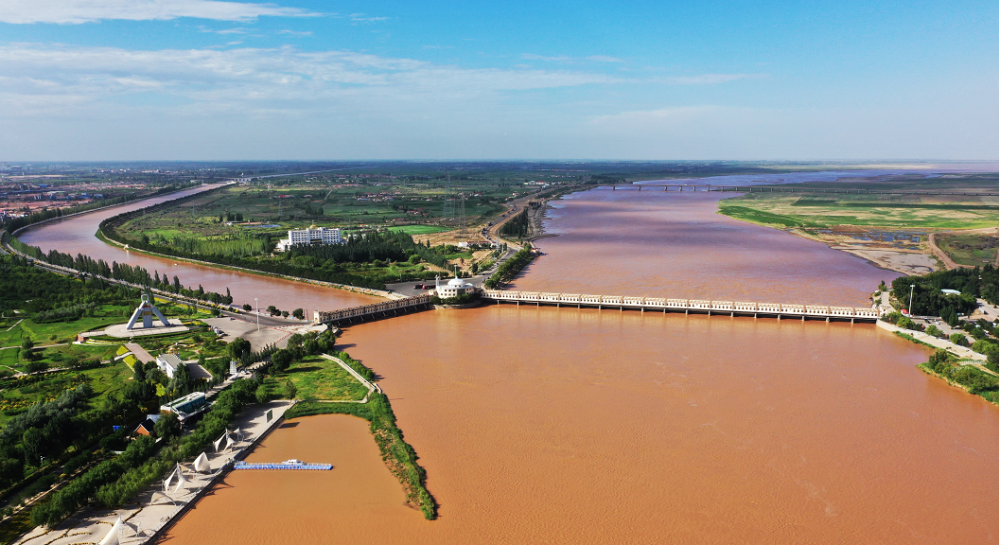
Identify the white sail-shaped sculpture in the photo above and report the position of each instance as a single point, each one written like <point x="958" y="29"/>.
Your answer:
<point x="166" y="482"/>
<point x="229" y="441"/>
<point x="218" y="442"/>
<point x="114" y="536"/>
<point x="201" y="463"/>
<point x="181" y="479"/>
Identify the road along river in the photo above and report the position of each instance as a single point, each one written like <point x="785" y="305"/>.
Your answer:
<point x="586" y="426"/>
<point x="75" y="235"/>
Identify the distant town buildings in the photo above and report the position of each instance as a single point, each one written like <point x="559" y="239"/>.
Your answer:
<point x="312" y="235"/>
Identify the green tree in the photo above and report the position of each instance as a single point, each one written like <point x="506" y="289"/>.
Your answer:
<point x="27" y="344"/>
<point x="298" y="314"/>
<point x="282" y="359"/>
<point x="958" y="339"/>
<point x="33" y="442"/>
<point x="289" y="390"/>
<point x="168" y="427"/>
<point x="238" y="348"/>
<point x="247" y="307"/>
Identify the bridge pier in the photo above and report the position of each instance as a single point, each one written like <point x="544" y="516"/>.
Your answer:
<point x="827" y="319"/>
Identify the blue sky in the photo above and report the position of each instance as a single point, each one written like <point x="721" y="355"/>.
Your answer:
<point x="212" y="80"/>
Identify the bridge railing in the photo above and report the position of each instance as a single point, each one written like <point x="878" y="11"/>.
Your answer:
<point x="321" y="317"/>
<point x="680" y="304"/>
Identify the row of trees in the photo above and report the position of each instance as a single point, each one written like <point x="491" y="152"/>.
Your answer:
<point x="509" y="269"/>
<point x="517" y="226"/>
<point x="133" y="274"/>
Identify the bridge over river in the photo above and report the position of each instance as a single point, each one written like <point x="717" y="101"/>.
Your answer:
<point x="622" y="303"/>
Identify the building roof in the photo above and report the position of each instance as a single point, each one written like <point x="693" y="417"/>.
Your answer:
<point x="170" y="360"/>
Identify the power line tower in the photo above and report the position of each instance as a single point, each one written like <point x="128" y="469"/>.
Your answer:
<point x="461" y="209"/>
<point x="448" y="209"/>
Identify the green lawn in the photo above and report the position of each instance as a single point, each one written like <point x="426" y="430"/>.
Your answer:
<point x="969" y="248"/>
<point x="420" y="229"/>
<point x="318" y="378"/>
<point x="107" y="380"/>
<point x="910" y="212"/>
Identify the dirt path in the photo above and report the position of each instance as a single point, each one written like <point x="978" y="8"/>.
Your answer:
<point x="943" y="256"/>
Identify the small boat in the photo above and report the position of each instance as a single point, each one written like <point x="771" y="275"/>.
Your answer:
<point x="294" y="462"/>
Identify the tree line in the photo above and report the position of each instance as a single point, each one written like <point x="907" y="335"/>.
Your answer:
<point x="517" y="226"/>
<point x="509" y="269"/>
<point x="929" y="300"/>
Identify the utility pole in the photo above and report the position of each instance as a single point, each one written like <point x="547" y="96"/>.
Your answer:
<point x="911" y="301"/>
<point x="256" y="304"/>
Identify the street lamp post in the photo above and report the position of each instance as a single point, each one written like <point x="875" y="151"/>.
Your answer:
<point x="256" y="304"/>
<point x="911" y="301"/>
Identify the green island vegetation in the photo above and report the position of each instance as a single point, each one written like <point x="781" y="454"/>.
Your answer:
<point x="368" y="260"/>
<point x="971" y="249"/>
<point x="297" y="372"/>
<point x="510" y="268"/>
<point x="399" y="456"/>
<point x="963" y="373"/>
<point x="814" y="205"/>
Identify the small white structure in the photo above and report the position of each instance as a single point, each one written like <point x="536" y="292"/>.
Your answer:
<point x="168" y="363"/>
<point x="146" y="310"/>
<point x="312" y="235"/>
<point x="455" y="287"/>
<point x="114" y="537"/>
<point x="201" y="463"/>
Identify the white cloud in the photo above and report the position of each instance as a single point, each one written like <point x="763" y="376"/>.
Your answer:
<point x="295" y="32"/>
<point x="533" y="57"/>
<point x="35" y="78"/>
<point x="85" y="11"/>
<point x="362" y="18"/>
<point x="604" y="58"/>
<point x="707" y="79"/>
<point x="563" y="58"/>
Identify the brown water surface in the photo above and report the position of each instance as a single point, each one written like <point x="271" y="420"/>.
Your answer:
<point x="76" y="235"/>
<point x="546" y="425"/>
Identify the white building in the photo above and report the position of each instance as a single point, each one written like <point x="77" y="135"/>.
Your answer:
<point x="168" y="363"/>
<point x="312" y="235"/>
<point x="455" y="287"/>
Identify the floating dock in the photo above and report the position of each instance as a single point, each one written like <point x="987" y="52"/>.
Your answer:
<point x="320" y="467"/>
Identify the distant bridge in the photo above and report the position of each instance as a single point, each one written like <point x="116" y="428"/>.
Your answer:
<point x="687" y="306"/>
<point x="364" y="313"/>
<point x="789" y="188"/>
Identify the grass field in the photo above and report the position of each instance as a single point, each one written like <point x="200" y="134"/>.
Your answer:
<point x="420" y="229"/>
<point x="969" y="248"/>
<point x="909" y="212"/>
<point x="318" y="378"/>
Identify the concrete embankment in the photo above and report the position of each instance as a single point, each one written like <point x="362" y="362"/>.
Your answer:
<point x="960" y="351"/>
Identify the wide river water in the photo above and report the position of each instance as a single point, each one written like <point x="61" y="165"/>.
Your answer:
<point x="75" y="235"/>
<point x="546" y="425"/>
